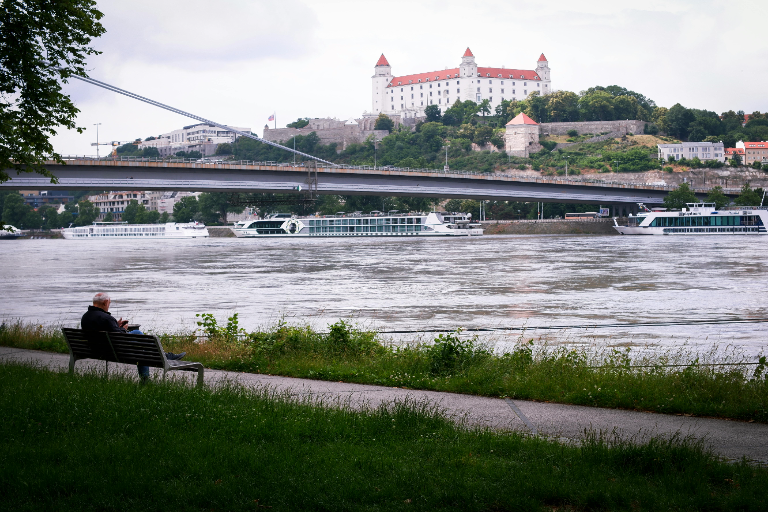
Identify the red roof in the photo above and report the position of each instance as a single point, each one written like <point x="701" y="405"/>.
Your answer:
<point x="731" y="151"/>
<point x="382" y="61"/>
<point x="542" y="58"/>
<point x="522" y="119"/>
<point x="756" y="145"/>
<point x="434" y="76"/>
<point x="468" y="53"/>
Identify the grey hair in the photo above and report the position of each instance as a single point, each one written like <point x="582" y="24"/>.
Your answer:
<point x="100" y="298"/>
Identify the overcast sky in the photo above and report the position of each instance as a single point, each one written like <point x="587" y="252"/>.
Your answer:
<point x="237" y="61"/>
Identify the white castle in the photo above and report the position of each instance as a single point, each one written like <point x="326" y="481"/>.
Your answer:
<point x="407" y="96"/>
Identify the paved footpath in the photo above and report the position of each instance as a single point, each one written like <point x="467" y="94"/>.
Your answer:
<point x="730" y="439"/>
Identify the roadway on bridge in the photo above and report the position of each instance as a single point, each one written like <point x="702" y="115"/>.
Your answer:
<point x="90" y="174"/>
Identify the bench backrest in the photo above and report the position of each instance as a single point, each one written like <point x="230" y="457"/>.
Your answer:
<point x="138" y="349"/>
<point x="89" y="345"/>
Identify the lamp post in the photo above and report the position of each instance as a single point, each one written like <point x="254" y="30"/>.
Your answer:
<point x="375" y="148"/>
<point x="566" y="165"/>
<point x="616" y="162"/>
<point x="447" y="143"/>
<point x="97" y="138"/>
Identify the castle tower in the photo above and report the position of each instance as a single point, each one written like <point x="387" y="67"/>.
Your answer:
<point x="542" y="69"/>
<point x="468" y="66"/>
<point x="522" y="136"/>
<point x="382" y="75"/>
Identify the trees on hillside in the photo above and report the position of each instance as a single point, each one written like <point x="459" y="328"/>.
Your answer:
<point x="383" y="122"/>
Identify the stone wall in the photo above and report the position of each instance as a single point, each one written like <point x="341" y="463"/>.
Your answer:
<point x="618" y="127"/>
<point x="328" y="132"/>
<point x="522" y="140"/>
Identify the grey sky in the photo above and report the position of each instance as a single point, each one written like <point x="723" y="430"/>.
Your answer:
<point x="238" y="61"/>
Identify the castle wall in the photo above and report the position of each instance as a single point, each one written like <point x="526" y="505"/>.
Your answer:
<point x="596" y="127"/>
<point x="522" y="140"/>
<point x="343" y="135"/>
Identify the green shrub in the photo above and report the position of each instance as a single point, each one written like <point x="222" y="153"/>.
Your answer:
<point x="668" y="169"/>
<point x="573" y="133"/>
<point x="450" y="354"/>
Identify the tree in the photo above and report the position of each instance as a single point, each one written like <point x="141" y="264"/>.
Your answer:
<point x="597" y="106"/>
<point x="563" y="106"/>
<point x="164" y="217"/>
<point x="50" y="217"/>
<point x="134" y="213"/>
<point x="215" y="205"/>
<point x="383" y="122"/>
<point x="42" y="44"/>
<point x="32" y="220"/>
<point x="678" y="198"/>
<point x="748" y="197"/>
<point x="432" y="112"/>
<point x="717" y="196"/>
<point x="679" y="120"/>
<point x="299" y="123"/>
<point x="485" y="107"/>
<point x="109" y="217"/>
<point x="185" y="209"/>
<point x="224" y="149"/>
<point x="14" y="209"/>
<point x="87" y="213"/>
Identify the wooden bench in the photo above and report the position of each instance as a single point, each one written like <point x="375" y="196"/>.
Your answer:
<point x="118" y="347"/>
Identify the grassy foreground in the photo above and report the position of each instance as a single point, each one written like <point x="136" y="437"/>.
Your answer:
<point x="85" y="442"/>
<point x="456" y="364"/>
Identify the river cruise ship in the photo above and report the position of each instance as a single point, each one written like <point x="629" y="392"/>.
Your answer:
<point x="359" y="224"/>
<point x="697" y="219"/>
<point x="9" y="232"/>
<point x="112" y="230"/>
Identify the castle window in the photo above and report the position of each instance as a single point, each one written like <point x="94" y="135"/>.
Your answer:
<point x="521" y="76"/>
<point x="478" y="97"/>
<point x="422" y="95"/>
<point x="401" y="89"/>
<point x="401" y="97"/>
<point x="538" y="85"/>
<point x="411" y="96"/>
<point x="513" y="92"/>
<point x="478" y="89"/>
<point x="525" y="92"/>
<point x="439" y="100"/>
<point x="438" y="85"/>
<point x="490" y="81"/>
<point x="487" y="74"/>
<point x="411" y="88"/>
<point x="525" y="83"/>
<point x="499" y="75"/>
<point x="419" y="80"/>
<point x="458" y="91"/>
<point x="430" y="86"/>
<point x="490" y="89"/>
<point x="430" y="93"/>
<point x="502" y="92"/>
<point x="410" y="81"/>
<point x="458" y="82"/>
<point x="502" y="82"/>
<point x="421" y="86"/>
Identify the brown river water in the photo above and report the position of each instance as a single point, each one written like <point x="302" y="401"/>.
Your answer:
<point x="657" y="292"/>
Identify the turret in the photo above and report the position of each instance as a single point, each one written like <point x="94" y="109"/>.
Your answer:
<point x="468" y="66"/>
<point x="542" y="68"/>
<point x="382" y="75"/>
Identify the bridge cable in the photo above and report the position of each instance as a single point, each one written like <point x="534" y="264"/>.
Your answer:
<point x="197" y="118"/>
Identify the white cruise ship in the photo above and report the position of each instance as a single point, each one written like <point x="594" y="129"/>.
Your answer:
<point x="112" y="230"/>
<point x="698" y="219"/>
<point x="358" y="224"/>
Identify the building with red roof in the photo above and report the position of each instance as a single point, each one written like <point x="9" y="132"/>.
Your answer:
<point x="522" y="136"/>
<point x="408" y="95"/>
<point x="752" y="152"/>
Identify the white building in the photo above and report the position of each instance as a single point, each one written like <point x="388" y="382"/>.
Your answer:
<point x="115" y="202"/>
<point x="200" y="137"/>
<point x="704" y="150"/>
<point x="167" y="200"/>
<point x="408" y="95"/>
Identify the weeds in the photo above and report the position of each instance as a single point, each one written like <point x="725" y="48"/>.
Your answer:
<point x="613" y="378"/>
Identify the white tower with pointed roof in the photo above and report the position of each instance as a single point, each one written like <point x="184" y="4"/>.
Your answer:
<point x="382" y="75"/>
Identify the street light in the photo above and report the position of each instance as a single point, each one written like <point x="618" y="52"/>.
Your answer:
<point x="615" y="166"/>
<point x="375" y="147"/>
<point x="566" y="164"/>
<point x="447" y="143"/>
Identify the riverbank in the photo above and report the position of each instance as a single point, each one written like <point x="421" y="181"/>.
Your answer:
<point x="550" y="227"/>
<point x="83" y="442"/>
<point x="670" y="382"/>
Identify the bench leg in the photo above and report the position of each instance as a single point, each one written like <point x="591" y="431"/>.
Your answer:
<point x="199" y="377"/>
<point x="72" y="363"/>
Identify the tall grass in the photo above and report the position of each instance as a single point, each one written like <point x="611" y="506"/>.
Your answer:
<point x="85" y="442"/>
<point x="454" y="363"/>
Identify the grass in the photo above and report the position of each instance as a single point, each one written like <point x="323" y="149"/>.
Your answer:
<point x="84" y="442"/>
<point x="456" y="364"/>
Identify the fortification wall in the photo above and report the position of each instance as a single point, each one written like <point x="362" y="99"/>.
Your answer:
<point x="619" y="127"/>
<point x="343" y="136"/>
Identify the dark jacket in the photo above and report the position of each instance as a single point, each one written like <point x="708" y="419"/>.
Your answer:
<point x="96" y="319"/>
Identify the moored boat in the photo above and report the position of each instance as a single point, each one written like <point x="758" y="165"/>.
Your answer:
<point x="112" y="230"/>
<point x="9" y="232"/>
<point x="697" y="219"/>
<point x="359" y="224"/>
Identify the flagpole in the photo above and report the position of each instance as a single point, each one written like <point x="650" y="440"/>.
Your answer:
<point x="275" y="116"/>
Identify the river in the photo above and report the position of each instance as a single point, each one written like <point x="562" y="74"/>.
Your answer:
<point x="605" y="290"/>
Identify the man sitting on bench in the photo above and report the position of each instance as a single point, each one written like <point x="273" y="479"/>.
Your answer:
<point x="98" y="318"/>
